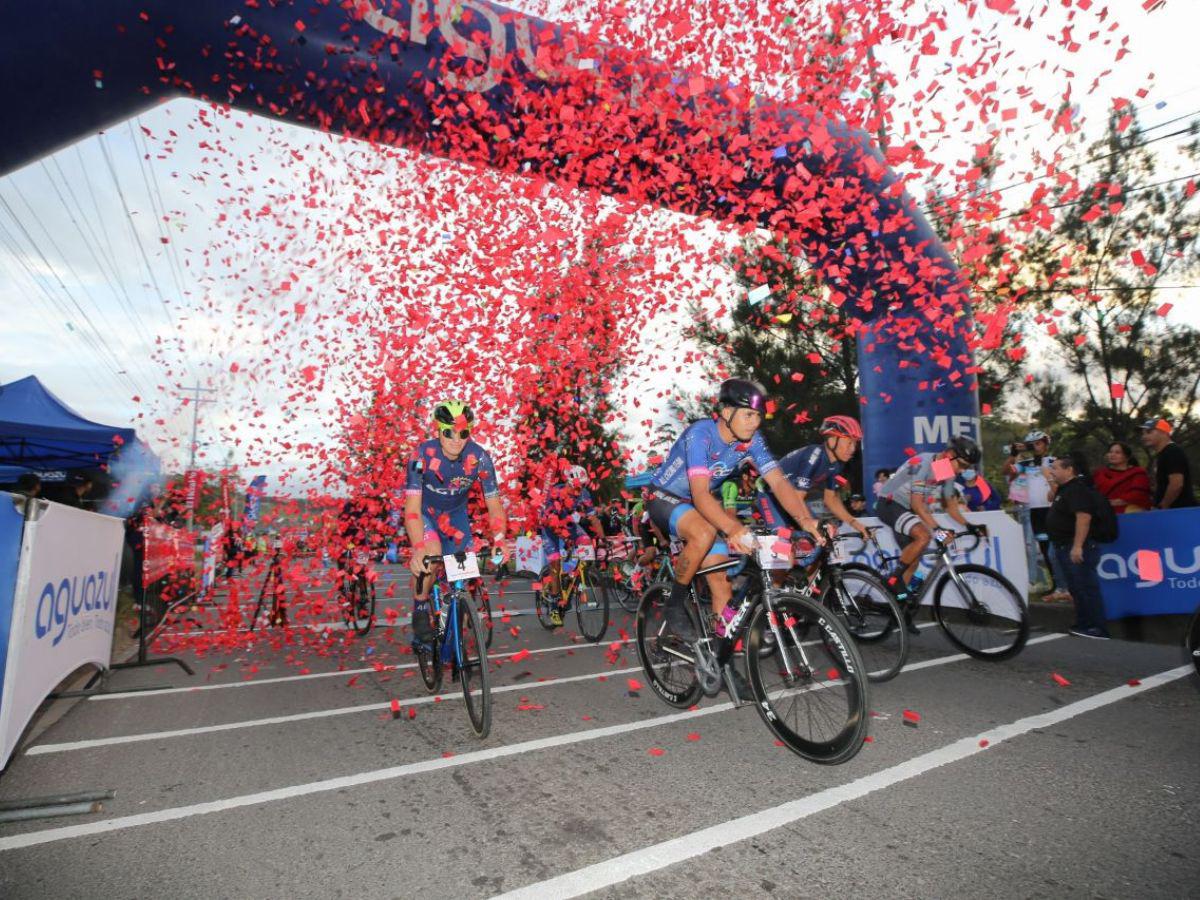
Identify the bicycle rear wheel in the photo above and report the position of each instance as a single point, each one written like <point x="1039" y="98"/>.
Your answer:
<point x="981" y="612"/>
<point x="869" y="611"/>
<point x="591" y="609"/>
<point x="811" y="690"/>
<point x="668" y="665"/>
<point x="1192" y="641"/>
<point x="472" y="662"/>
<point x="360" y="605"/>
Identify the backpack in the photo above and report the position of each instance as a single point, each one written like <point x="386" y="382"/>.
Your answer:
<point x="1105" y="529"/>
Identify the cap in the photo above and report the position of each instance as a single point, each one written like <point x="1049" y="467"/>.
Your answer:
<point x="1157" y="425"/>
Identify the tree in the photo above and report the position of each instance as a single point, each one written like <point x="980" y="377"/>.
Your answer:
<point x="1095" y="285"/>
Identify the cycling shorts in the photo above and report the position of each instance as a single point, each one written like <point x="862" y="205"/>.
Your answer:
<point x="558" y="546"/>
<point x="450" y="529"/>
<point x="899" y="518"/>
<point x="666" y="510"/>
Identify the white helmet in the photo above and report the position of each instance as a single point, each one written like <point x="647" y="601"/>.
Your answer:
<point x="577" y="474"/>
<point x="1037" y="436"/>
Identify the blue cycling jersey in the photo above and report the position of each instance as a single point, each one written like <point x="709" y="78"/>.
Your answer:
<point x="701" y="451"/>
<point x="562" y="504"/>
<point x="810" y="468"/>
<point x="442" y="482"/>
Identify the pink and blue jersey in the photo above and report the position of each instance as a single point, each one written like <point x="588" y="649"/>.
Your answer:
<point x="807" y="469"/>
<point x="701" y="451"/>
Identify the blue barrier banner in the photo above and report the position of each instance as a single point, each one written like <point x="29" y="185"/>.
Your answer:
<point x="11" y="523"/>
<point x="1174" y="534"/>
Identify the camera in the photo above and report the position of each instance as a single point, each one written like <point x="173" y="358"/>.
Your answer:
<point x="1014" y="448"/>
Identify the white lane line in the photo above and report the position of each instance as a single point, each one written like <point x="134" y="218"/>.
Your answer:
<point x="622" y="868"/>
<point x="283" y="679"/>
<point x="91" y="743"/>
<point x="50" y="835"/>
<point x="454" y="693"/>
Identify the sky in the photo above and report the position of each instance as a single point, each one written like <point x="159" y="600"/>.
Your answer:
<point x="108" y="248"/>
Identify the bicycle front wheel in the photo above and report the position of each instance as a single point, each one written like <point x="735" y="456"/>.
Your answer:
<point x="543" y="597"/>
<point x="360" y="607"/>
<point x="668" y="665"/>
<point x="472" y="662"/>
<point x="483" y="604"/>
<point x="591" y="609"/>
<point x="869" y="611"/>
<point x="1191" y="641"/>
<point x="981" y="612"/>
<point x="811" y="688"/>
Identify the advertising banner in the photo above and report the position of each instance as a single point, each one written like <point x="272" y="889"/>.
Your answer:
<point x="254" y="494"/>
<point x="529" y="555"/>
<point x="192" y="481"/>
<point x="64" y="610"/>
<point x="11" y="523"/>
<point x="1170" y="535"/>
<point x="1003" y="549"/>
<point x="168" y="550"/>
<point x="212" y="555"/>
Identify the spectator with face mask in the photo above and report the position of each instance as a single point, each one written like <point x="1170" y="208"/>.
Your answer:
<point x="1031" y="486"/>
<point x="977" y="494"/>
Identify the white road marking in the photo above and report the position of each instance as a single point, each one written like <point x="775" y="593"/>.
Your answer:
<point x="622" y="868"/>
<point x="50" y="835"/>
<point x="282" y="679"/>
<point x="453" y="693"/>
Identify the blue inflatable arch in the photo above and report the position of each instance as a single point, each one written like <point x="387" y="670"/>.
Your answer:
<point x="469" y="80"/>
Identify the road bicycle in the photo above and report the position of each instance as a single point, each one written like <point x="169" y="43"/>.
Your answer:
<point x="576" y="589"/>
<point x="357" y="590"/>
<point x="976" y="607"/>
<point x="616" y="568"/>
<point x="807" y="677"/>
<point x="459" y="637"/>
<point x="859" y="598"/>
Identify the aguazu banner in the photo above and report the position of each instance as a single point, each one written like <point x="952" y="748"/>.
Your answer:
<point x="64" y="609"/>
<point x="168" y="551"/>
<point x="1174" y="534"/>
<point x="1003" y="549"/>
<point x="11" y="523"/>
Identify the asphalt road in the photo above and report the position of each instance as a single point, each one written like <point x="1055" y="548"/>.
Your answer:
<point x="280" y="771"/>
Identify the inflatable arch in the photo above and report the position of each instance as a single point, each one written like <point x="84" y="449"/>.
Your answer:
<point x="470" y="80"/>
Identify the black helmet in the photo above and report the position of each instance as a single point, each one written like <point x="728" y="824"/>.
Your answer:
<point x="742" y="394"/>
<point x="965" y="449"/>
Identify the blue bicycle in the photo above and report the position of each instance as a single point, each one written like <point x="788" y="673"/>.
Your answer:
<point x="460" y="640"/>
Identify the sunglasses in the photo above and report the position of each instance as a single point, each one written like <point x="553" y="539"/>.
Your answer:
<point x="449" y="432"/>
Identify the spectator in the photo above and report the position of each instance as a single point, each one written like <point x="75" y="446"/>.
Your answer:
<point x="1126" y="486"/>
<point x="30" y="485"/>
<point x="978" y="495"/>
<point x="1031" y="485"/>
<point x="1172" y="472"/>
<point x="858" y="505"/>
<point x="1069" y="524"/>
<point x="881" y="478"/>
<point x="79" y="485"/>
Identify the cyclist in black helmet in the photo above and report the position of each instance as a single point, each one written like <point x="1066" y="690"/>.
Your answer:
<point x="904" y="506"/>
<point x="681" y="503"/>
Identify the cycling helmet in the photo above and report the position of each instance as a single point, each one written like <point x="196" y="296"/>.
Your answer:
<point x="447" y="412"/>
<point x="742" y="394"/>
<point x="965" y="449"/>
<point x="576" y="474"/>
<point x="1037" y="436"/>
<point x="843" y="426"/>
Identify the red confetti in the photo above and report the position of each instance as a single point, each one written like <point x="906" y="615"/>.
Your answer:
<point x="656" y="751"/>
<point x="1059" y="680"/>
<point x="911" y="717"/>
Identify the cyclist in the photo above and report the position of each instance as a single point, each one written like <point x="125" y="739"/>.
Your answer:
<point x="738" y="495"/>
<point x="441" y="472"/>
<point x="358" y="525"/>
<point x="681" y="503"/>
<point x="904" y="503"/>
<point x="817" y="467"/>
<point x="568" y="502"/>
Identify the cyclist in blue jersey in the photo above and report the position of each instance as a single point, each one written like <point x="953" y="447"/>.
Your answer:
<point x="568" y="503"/>
<point x="682" y="505"/>
<point x="904" y="507"/>
<point x="817" y="467"/>
<point x="441" y="472"/>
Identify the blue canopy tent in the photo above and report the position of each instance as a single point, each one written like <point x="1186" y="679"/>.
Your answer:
<point x="640" y="480"/>
<point x="40" y="433"/>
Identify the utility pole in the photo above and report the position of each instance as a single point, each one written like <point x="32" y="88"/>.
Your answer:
<point x="196" y="400"/>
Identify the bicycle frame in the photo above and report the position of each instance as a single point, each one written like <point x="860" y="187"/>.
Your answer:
<point x="447" y="640"/>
